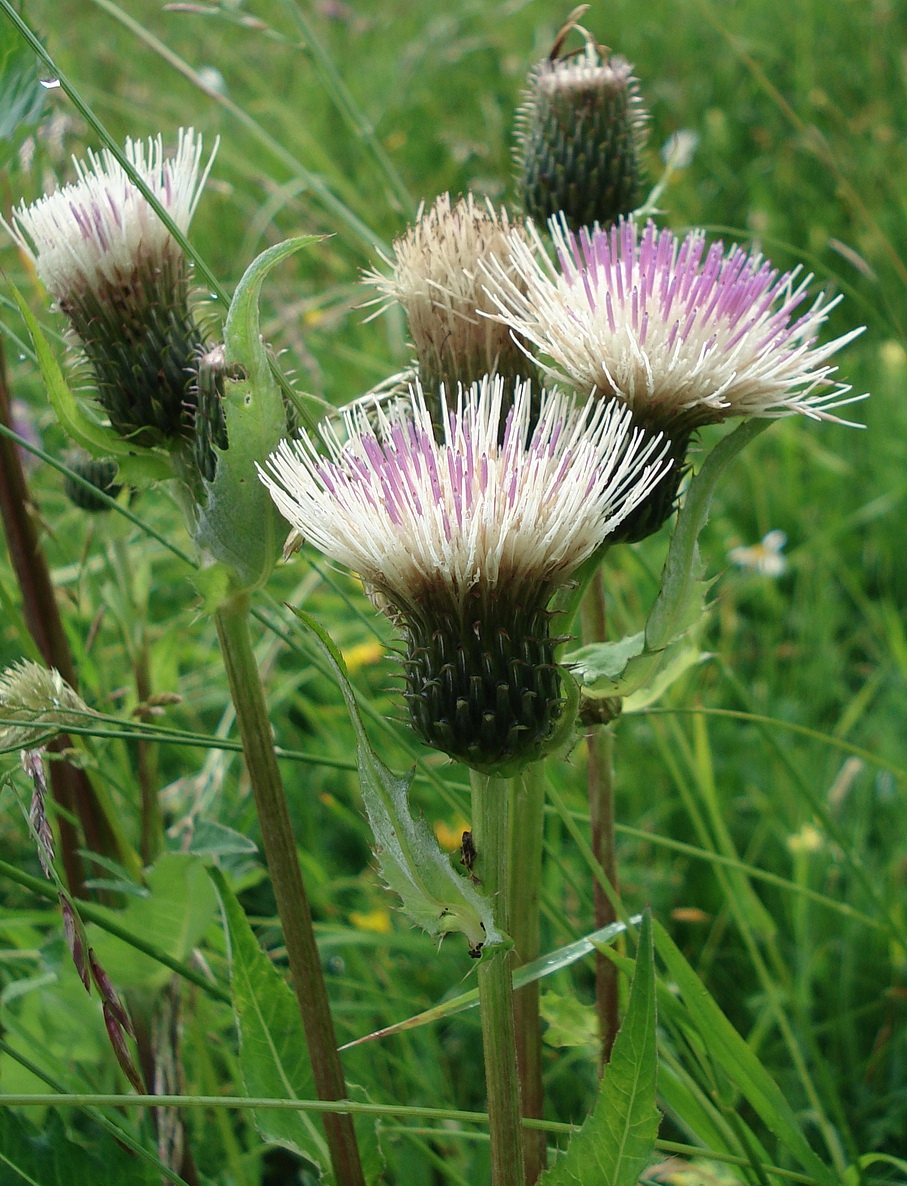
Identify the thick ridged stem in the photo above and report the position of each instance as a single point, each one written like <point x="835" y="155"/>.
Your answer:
<point x="600" y="777"/>
<point x="232" y="620"/>
<point x="490" y="831"/>
<point x="70" y="786"/>
<point x="527" y="817"/>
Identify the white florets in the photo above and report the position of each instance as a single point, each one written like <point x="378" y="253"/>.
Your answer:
<point x="678" y="333"/>
<point x="36" y="702"/>
<point x="413" y="516"/>
<point x="97" y="229"/>
<point x="435" y="275"/>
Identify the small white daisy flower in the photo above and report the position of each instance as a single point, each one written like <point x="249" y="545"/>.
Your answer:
<point x="466" y="538"/>
<point x="765" y="557"/>
<point x="117" y="273"/>
<point x="683" y="335"/>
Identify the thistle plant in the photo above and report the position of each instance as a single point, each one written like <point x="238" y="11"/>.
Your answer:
<point x="99" y="473"/>
<point x="681" y="334"/>
<point x="113" y="267"/>
<point x="465" y="542"/>
<point x="557" y="382"/>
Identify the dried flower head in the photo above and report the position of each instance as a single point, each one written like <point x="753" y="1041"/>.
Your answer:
<point x="682" y="335"/>
<point x="436" y="277"/>
<point x="580" y="132"/>
<point x="464" y="540"/>
<point x="117" y="273"/>
<point x="36" y="702"/>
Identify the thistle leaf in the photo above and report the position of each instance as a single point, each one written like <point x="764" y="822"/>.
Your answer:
<point x="637" y="662"/>
<point x="433" y="895"/>
<point x="138" y="466"/>
<point x="615" y="1143"/>
<point x="237" y="523"/>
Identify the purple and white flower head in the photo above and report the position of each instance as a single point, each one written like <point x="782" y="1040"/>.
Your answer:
<point x="115" y="270"/>
<point x="463" y="540"/>
<point x="683" y="335"/>
<point x="436" y="276"/>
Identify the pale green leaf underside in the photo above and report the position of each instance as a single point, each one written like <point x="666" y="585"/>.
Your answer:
<point x="273" y="1057"/>
<point x="432" y="893"/>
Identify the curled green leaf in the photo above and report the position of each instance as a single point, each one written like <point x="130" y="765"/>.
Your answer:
<point x="236" y="522"/>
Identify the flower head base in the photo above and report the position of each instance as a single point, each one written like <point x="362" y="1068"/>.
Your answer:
<point x="683" y="336"/>
<point x="99" y="472"/>
<point x="120" y="277"/>
<point x="464" y="541"/>
<point x="580" y="133"/>
<point x="36" y="702"/>
<point x="437" y="279"/>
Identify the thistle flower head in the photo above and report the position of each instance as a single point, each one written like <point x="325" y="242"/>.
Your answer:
<point x="36" y="701"/>
<point x="100" y="474"/>
<point x="436" y="277"/>
<point x="465" y="539"/>
<point x="580" y="132"/>
<point x="117" y="273"/>
<point x="683" y="335"/>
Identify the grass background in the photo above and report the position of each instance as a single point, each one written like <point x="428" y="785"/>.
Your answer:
<point x="800" y="114"/>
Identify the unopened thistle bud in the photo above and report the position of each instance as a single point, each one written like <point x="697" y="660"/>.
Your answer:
<point x="437" y="277"/>
<point x="36" y="702"/>
<point x="464" y="540"/>
<point x="117" y="273"/>
<point x="580" y="132"/>
<point x="99" y="472"/>
<point x="210" y="421"/>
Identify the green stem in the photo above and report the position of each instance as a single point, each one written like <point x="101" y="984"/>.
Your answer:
<point x="232" y="620"/>
<point x="527" y="818"/>
<point x="490" y="831"/>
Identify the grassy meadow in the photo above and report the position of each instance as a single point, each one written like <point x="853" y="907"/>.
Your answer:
<point x="761" y="801"/>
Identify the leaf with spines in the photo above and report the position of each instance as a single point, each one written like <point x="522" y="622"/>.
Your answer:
<point x="433" y="895"/>
<point x="616" y="1142"/>
<point x="273" y="1057"/>
<point x="631" y="664"/>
